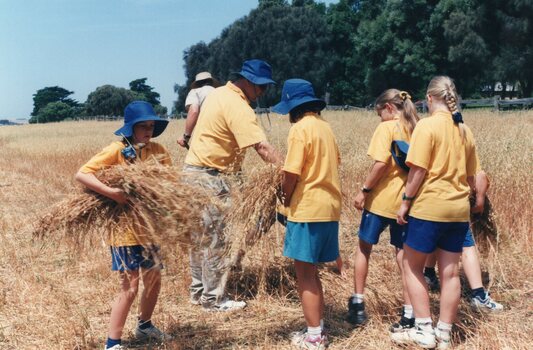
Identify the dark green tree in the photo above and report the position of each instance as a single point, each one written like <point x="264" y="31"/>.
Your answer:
<point x="110" y="100"/>
<point x="55" y="112"/>
<point x="139" y="86"/>
<point x="50" y="94"/>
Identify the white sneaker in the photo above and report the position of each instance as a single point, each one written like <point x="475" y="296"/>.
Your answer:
<point x="151" y="332"/>
<point x="423" y="338"/>
<point x="226" y="305"/>
<point x="116" y="347"/>
<point x="486" y="304"/>
<point x="302" y="340"/>
<point x="444" y="339"/>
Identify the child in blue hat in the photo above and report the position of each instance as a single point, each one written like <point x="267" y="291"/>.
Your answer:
<point x="140" y="125"/>
<point x="312" y="195"/>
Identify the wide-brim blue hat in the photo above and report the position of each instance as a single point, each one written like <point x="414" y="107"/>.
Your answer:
<point x="257" y="72"/>
<point x="295" y="93"/>
<point x="140" y="111"/>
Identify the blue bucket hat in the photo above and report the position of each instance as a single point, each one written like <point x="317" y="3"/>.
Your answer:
<point x="257" y="72"/>
<point x="140" y="111"/>
<point x="296" y="92"/>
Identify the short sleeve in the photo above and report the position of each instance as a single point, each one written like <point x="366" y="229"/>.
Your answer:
<point x="192" y="98"/>
<point x="380" y="144"/>
<point x="296" y="152"/>
<point x="109" y="156"/>
<point x="242" y="122"/>
<point x="420" y="147"/>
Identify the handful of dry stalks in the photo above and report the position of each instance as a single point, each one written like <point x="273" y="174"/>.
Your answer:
<point x="161" y="208"/>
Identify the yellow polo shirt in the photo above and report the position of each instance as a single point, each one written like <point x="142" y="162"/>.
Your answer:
<point x="386" y="196"/>
<point x="313" y="154"/>
<point x="111" y="156"/>
<point x="226" y="126"/>
<point x="437" y="146"/>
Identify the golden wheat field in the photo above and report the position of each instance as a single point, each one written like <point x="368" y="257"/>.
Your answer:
<point x="55" y="295"/>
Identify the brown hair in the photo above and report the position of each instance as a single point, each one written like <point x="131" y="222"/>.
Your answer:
<point x="442" y="88"/>
<point x="402" y="101"/>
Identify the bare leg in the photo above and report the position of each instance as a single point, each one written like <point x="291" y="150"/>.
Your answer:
<point x="472" y="267"/>
<point x="121" y="306"/>
<point x="399" y="258"/>
<point x="450" y="284"/>
<point x="413" y="264"/>
<point x="431" y="260"/>
<point x="361" y="266"/>
<point x="152" y="285"/>
<point x="310" y="292"/>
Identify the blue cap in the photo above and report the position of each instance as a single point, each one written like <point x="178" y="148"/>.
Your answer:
<point x="140" y="111"/>
<point x="257" y="72"/>
<point x="296" y="92"/>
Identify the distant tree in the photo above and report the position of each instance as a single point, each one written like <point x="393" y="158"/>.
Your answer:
<point x="110" y="100"/>
<point x="139" y="86"/>
<point x="50" y="94"/>
<point x="160" y="110"/>
<point x="54" y="112"/>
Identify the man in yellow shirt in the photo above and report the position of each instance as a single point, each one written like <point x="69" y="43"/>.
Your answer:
<point x="226" y="127"/>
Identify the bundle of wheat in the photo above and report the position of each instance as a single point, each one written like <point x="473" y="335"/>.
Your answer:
<point x="161" y="208"/>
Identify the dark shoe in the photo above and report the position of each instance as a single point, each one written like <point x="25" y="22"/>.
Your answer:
<point x="356" y="313"/>
<point x="433" y="282"/>
<point x="404" y="324"/>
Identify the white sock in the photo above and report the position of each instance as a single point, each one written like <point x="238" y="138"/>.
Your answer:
<point x="357" y="298"/>
<point x="425" y="323"/>
<point x="443" y="326"/>
<point x="322" y="324"/>
<point x="314" y="331"/>
<point x="408" y="311"/>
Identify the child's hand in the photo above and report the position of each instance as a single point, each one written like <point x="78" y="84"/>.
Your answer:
<point x="118" y="195"/>
<point x="402" y="213"/>
<point x="479" y="206"/>
<point x="359" y="200"/>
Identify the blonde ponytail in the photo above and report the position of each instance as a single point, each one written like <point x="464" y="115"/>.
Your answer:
<point x="443" y="88"/>
<point x="403" y="103"/>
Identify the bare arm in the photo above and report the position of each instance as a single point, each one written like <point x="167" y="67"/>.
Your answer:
<point x="481" y="186"/>
<point x="268" y="153"/>
<point x="372" y="179"/>
<point x="190" y="123"/>
<point x="287" y="187"/>
<point x="414" y="180"/>
<point x="92" y="183"/>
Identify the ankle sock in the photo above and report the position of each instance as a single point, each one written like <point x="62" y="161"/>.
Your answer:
<point x="322" y="324"/>
<point x="408" y="311"/>
<point x="424" y="323"/>
<point x="430" y="272"/>
<point x="314" y="331"/>
<point x="112" y="342"/>
<point x="357" y="298"/>
<point x="144" y="324"/>
<point x="479" y="293"/>
<point x="443" y="326"/>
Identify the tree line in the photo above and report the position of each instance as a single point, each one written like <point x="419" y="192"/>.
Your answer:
<point x="52" y="104"/>
<point x="354" y="49"/>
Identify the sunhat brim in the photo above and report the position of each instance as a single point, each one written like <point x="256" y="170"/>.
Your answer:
<point x="284" y="107"/>
<point x="254" y="78"/>
<point x="127" y="129"/>
<point x="194" y="84"/>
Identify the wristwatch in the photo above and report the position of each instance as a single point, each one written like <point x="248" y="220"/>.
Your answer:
<point x="405" y="198"/>
<point x="186" y="137"/>
<point x="365" y="190"/>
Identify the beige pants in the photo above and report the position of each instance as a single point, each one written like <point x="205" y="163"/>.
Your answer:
<point x="208" y="258"/>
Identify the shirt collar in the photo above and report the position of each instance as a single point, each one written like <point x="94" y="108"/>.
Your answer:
<point x="233" y="87"/>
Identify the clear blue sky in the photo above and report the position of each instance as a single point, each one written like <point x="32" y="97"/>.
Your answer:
<point x="82" y="44"/>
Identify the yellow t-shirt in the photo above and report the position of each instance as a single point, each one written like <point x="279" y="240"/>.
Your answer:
<point x="111" y="156"/>
<point x="437" y="146"/>
<point x="386" y="197"/>
<point x="313" y="154"/>
<point x="226" y="126"/>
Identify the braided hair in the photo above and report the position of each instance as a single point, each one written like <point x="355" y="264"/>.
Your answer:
<point x="443" y="88"/>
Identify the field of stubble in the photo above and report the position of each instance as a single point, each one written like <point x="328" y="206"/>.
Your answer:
<point x="54" y="296"/>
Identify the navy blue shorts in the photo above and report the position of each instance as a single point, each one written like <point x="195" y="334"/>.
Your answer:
<point x="469" y="239"/>
<point x="425" y="236"/>
<point x="132" y="258"/>
<point x="372" y="225"/>
<point x="312" y="242"/>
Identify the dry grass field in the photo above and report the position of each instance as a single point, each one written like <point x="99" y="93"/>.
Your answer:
<point x="57" y="296"/>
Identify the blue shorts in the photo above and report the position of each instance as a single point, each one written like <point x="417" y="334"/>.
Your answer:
<point x="425" y="236"/>
<point x="469" y="239"/>
<point x="132" y="258"/>
<point x="312" y="242"/>
<point x="372" y="225"/>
